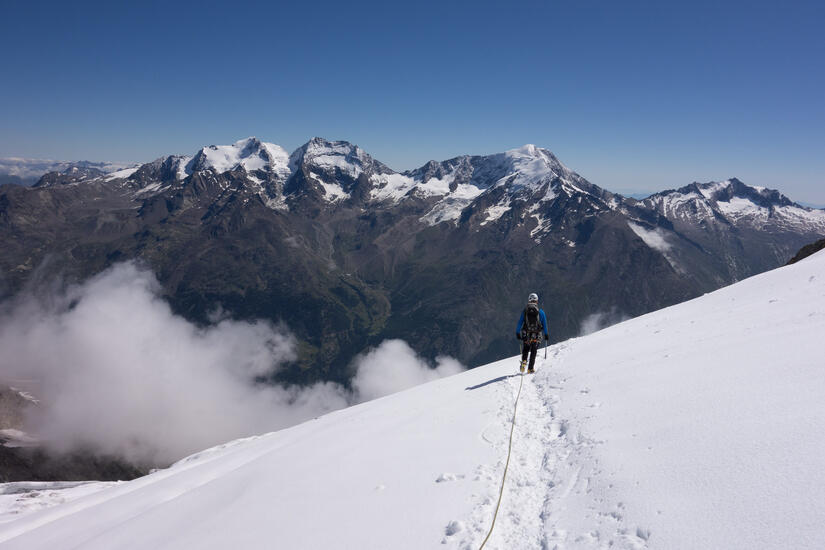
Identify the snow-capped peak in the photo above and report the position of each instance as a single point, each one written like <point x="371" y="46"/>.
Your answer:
<point x="710" y="189"/>
<point x="526" y="171"/>
<point x="725" y="190"/>
<point x="331" y="158"/>
<point x="734" y="200"/>
<point x="533" y="166"/>
<point x="250" y="153"/>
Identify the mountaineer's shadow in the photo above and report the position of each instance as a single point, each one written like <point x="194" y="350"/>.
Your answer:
<point x="493" y="381"/>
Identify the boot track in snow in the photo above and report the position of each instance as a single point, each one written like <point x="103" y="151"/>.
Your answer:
<point x="546" y="477"/>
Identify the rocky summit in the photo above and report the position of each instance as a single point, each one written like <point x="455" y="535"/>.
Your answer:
<point x="347" y="252"/>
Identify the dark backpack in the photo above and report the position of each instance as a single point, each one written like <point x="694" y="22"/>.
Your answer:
<point x="532" y="321"/>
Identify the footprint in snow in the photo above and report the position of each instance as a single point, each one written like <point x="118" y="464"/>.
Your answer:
<point x="453" y="528"/>
<point x="447" y="476"/>
<point x="558" y="428"/>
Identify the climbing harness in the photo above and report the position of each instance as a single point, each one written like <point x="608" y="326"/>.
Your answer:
<point x="506" y="465"/>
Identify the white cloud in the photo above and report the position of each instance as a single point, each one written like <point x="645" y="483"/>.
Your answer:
<point x="117" y="372"/>
<point x="394" y="366"/>
<point x="657" y="239"/>
<point x="601" y="320"/>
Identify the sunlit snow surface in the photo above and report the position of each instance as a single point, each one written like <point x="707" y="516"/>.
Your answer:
<point x="697" y="426"/>
<point x="122" y="174"/>
<point x="249" y="153"/>
<point x="20" y="498"/>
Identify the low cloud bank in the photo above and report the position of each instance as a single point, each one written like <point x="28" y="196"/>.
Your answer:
<point x="394" y="366"/>
<point x="117" y="372"/>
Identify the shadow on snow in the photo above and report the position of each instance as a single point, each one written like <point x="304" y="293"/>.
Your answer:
<point x="488" y="382"/>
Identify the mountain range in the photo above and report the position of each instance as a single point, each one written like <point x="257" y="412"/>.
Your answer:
<point x="24" y="171"/>
<point x="347" y="252"/>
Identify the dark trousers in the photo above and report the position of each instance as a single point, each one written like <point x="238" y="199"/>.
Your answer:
<point x="531" y="346"/>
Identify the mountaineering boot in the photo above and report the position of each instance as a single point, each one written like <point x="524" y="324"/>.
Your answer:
<point x="530" y="370"/>
<point x="521" y="366"/>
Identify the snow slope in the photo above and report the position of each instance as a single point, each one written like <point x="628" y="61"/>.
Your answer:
<point x="697" y="426"/>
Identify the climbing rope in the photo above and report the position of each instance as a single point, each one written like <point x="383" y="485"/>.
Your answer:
<point x="506" y="464"/>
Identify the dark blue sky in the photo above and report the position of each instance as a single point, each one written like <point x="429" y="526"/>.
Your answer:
<point x="635" y="96"/>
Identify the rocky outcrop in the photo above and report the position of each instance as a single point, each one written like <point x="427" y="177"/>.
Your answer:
<point x="807" y="250"/>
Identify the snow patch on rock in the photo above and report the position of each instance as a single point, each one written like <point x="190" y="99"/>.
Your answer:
<point x="391" y="187"/>
<point x="121" y="174"/>
<point x="495" y="212"/>
<point x="332" y="191"/>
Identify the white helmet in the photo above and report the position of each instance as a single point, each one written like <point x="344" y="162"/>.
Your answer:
<point x="533" y="298"/>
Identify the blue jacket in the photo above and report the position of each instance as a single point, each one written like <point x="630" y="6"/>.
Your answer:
<point x="542" y="319"/>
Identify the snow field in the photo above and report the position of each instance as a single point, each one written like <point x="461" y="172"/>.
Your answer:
<point x="706" y="416"/>
<point x="394" y="469"/>
<point x="697" y="426"/>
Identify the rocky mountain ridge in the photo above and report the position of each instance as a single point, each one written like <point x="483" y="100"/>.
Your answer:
<point x="348" y="252"/>
<point x="25" y="171"/>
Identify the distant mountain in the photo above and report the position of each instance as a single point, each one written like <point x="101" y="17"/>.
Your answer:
<point x="22" y="171"/>
<point x="348" y="252"/>
<point x="744" y="229"/>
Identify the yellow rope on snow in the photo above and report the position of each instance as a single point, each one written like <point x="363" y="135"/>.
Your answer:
<point x="506" y="464"/>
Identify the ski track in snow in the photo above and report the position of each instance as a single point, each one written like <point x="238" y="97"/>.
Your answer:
<point x="550" y="500"/>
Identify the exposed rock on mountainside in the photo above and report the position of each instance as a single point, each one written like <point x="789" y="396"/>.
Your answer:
<point x="348" y="252"/>
<point x="807" y="250"/>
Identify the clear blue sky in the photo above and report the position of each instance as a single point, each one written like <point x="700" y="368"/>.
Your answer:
<point x="635" y="96"/>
